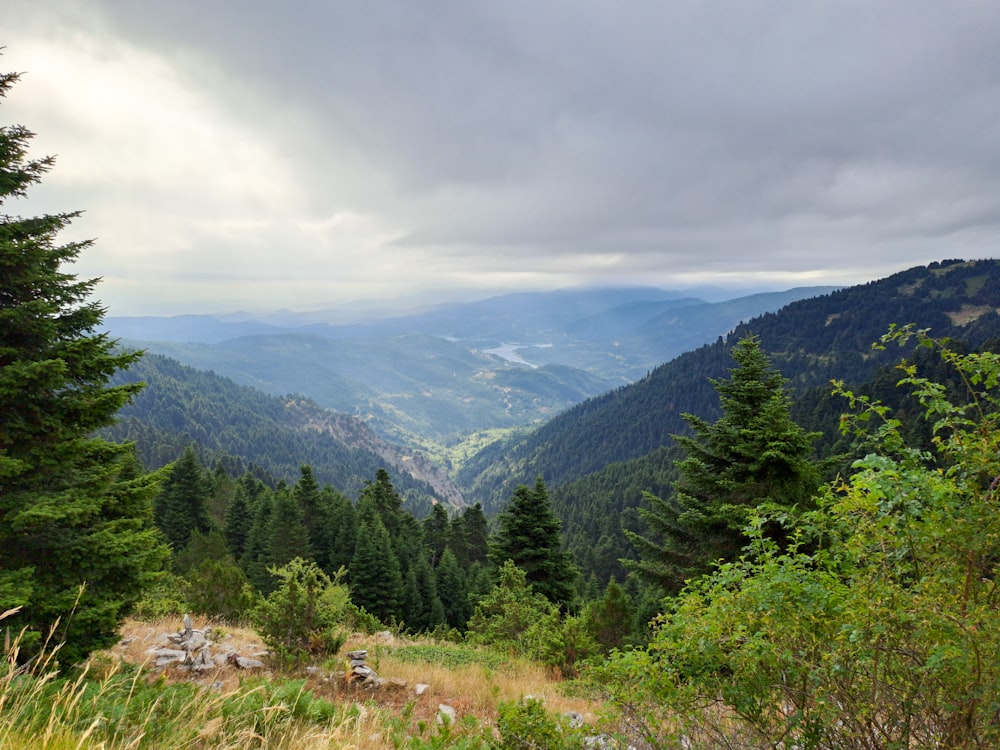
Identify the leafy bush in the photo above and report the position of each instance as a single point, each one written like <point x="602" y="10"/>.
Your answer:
<point x="878" y="627"/>
<point x="219" y="588"/>
<point x="525" y="725"/>
<point x="300" y="616"/>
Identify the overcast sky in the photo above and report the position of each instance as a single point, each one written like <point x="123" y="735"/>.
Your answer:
<point x="234" y="154"/>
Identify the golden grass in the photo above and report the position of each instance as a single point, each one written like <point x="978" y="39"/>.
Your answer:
<point x="367" y="719"/>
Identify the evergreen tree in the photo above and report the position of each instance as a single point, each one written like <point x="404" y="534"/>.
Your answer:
<point x="386" y="500"/>
<point x="375" y="580"/>
<point x="753" y="455"/>
<point x="181" y="507"/>
<point x="436" y="528"/>
<point x="469" y="536"/>
<point x="310" y="501"/>
<point x="452" y="590"/>
<point x="76" y="529"/>
<point x="239" y="516"/>
<point x="609" y="619"/>
<point x="289" y="537"/>
<point x="529" y="536"/>
<point x="257" y="556"/>
<point x="342" y="530"/>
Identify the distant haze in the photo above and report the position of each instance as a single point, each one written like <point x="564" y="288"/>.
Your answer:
<point x="259" y="155"/>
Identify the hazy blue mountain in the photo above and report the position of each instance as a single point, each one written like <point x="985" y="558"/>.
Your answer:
<point x="811" y="341"/>
<point x="437" y="375"/>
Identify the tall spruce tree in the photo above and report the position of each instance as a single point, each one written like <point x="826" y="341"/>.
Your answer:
<point x="289" y="537"/>
<point x="181" y="508"/>
<point x="76" y="529"/>
<point x="374" y="576"/>
<point x="529" y="536"/>
<point x="753" y="455"/>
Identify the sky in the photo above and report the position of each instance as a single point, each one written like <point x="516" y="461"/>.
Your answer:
<point x="257" y="155"/>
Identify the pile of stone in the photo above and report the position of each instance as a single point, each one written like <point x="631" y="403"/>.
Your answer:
<point x="194" y="650"/>
<point x="359" y="673"/>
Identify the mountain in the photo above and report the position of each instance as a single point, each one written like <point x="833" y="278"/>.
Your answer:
<point x="243" y="427"/>
<point x="811" y="341"/>
<point x="433" y="378"/>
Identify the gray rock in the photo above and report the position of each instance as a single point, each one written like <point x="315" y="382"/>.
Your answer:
<point x="420" y="688"/>
<point x="575" y="719"/>
<point x="446" y="714"/>
<point x="244" y="663"/>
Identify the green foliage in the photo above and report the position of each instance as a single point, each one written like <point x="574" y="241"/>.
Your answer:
<point x="609" y="619"/>
<point x="525" y="725"/>
<point x="512" y="618"/>
<point x="75" y="512"/>
<point x="503" y="617"/>
<point x="219" y="589"/>
<point x="374" y="575"/>
<point x="298" y="618"/>
<point x="165" y="595"/>
<point x="181" y="507"/>
<point x="879" y="626"/>
<point x="753" y="455"/>
<point x="529" y="536"/>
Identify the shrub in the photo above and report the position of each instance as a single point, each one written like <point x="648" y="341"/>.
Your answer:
<point x="878" y="627"/>
<point x="299" y="617"/>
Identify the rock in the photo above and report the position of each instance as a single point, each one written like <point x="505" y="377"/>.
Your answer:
<point x="396" y="682"/>
<point x="170" y="653"/>
<point x="446" y="714"/>
<point x="420" y="688"/>
<point x="575" y="719"/>
<point x="359" y="655"/>
<point x="245" y="663"/>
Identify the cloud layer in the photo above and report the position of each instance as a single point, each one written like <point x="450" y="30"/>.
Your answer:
<point x="255" y="154"/>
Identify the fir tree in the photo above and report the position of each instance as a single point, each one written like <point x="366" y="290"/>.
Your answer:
<point x="452" y="591"/>
<point x="289" y="537"/>
<point x="181" y="507"/>
<point x="529" y="536"/>
<point x="342" y="531"/>
<point x="257" y="556"/>
<point x="375" y="580"/>
<point x="469" y="536"/>
<point x="753" y="455"/>
<point x="239" y="516"/>
<point x="436" y="528"/>
<point x="76" y="531"/>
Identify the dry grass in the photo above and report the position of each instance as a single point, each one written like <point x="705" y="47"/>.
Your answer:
<point x="472" y="689"/>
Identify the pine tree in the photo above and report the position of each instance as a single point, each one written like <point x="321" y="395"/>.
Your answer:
<point x="452" y="590"/>
<point x="375" y="579"/>
<point x="436" y="527"/>
<point x="310" y="501"/>
<point x="342" y="531"/>
<point x="76" y="529"/>
<point x="469" y="536"/>
<point x="289" y="537"/>
<point x="257" y="556"/>
<point x="529" y="536"/>
<point x="239" y="516"/>
<point x="181" y="507"/>
<point x="753" y="455"/>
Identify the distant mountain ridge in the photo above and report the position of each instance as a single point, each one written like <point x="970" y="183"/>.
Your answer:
<point x="437" y="376"/>
<point x="811" y="341"/>
<point x="244" y="428"/>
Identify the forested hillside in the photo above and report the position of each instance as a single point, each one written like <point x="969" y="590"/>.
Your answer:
<point x="811" y="341"/>
<point x="243" y="427"/>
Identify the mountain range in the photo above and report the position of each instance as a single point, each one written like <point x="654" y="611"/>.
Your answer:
<point x="597" y="451"/>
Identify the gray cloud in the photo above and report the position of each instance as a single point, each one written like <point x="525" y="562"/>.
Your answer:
<point x="318" y="151"/>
